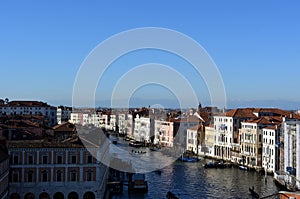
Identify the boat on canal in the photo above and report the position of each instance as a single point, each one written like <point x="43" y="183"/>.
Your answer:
<point x="171" y="195"/>
<point x="139" y="184"/>
<point x="189" y="159"/>
<point x="254" y="194"/>
<point x="154" y="148"/>
<point x="210" y="165"/>
<point x="135" y="144"/>
<point x="243" y="168"/>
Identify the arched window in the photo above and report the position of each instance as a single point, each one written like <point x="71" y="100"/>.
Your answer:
<point x="89" y="195"/>
<point x="15" y="196"/>
<point x="29" y="196"/>
<point x="44" y="195"/>
<point x="58" y="195"/>
<point x="73" y="195"/>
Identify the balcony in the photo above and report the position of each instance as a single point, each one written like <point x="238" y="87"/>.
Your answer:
<point x="235" y="145"/>
<point x="246" y="153"/>
<point x="248" y="141"/>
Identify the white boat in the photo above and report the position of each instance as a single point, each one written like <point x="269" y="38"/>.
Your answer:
<point x="243" y="168"/>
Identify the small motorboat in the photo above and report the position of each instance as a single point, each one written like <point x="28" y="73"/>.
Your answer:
<point x="253" y="193"/>
<point x="188" y="159"/>
<point x="210" y="165"/>
<point x="135" y="144"/>
<point x="139" y="184"/>
<point x="138" y="152"/>
<point x="154" y="149"/>
<point x="171" y="195"/>
<point x="243" y="168"/>
<point x="221" y="165"/>
<point x="158" y="172"/>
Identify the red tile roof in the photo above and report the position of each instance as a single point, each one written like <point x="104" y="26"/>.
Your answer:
<point x="240" y="113"/>
<point x="261" y="120"/>
<point x="276" y="112"/>
<point x="66" y="126"/>
<point x="249" y="113"/>
<point x="26" y="104"/>
<point x="271" y="127"/>
<point x="191" y="119"/>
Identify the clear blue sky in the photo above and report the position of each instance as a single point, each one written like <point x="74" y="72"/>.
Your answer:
<point x="255" y="44"/>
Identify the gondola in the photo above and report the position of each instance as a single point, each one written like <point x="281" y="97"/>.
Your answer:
<point x="253" y="193"/>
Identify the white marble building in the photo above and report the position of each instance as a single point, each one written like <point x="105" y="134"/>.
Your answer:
<point x="143" y="128"/>
<point x="63" y="114"/>
<point x="270" y="151"/>
<point x="291" y="133"/>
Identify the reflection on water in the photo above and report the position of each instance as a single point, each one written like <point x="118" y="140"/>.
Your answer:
<point x="191" y="180"/>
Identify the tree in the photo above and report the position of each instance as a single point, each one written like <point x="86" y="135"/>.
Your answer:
<point x="6" y="100"/>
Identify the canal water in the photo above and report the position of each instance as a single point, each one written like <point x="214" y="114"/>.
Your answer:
<point x="190" y="180"/>
<point x="193" y="181"/>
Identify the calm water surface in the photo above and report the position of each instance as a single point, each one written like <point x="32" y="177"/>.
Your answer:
<point x="191" y="180"/>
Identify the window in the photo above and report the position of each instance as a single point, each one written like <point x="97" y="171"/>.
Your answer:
<point x="73" y="159"/>
<point x="45" y="159"/>
<point x="59" y="176"/>
<point x="73" y="176"/>
<point x="44" y="176"/>
<point x="30" y="159"/>
<point x="15" y="176"/>
<point x="30" y="176"/>
<point x="89" y="175"/>
<point x="15" y="159"/>
<point x="259" y="151"/>
<point x="90" y="159"/>
<point x="59" y="159"/>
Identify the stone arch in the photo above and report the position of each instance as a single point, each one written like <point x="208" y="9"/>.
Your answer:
<point x="15" y="196"/>
<point x="73" y="195"/>
<point x="58" y="195"/>
<point x="44" y="195"/>
<point x="29" y="196"/>
<point x="89" y="195"/>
